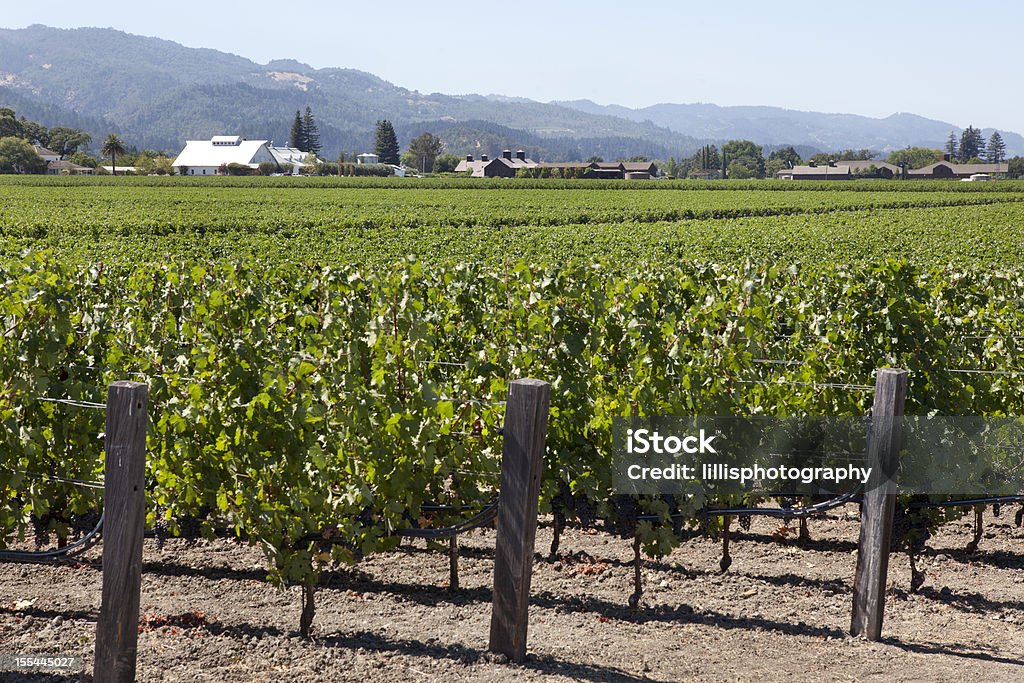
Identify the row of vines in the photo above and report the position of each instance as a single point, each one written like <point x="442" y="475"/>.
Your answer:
<point x="299" y="405"/>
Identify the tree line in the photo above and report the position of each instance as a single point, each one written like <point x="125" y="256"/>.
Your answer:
<point x="742" y="159"/>
<point x="20" y="136"/>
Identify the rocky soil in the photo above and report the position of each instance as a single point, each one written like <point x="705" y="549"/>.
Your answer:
<point x="781" y="612"/>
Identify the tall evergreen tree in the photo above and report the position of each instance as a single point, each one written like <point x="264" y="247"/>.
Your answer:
<point x="995" y="151"/>
<point x="298" y="135"/>
<point x="971" y="144"/>
<point x="386" y="145"/>
<point x="311" y="132"/>
<point x="952" y="146"/>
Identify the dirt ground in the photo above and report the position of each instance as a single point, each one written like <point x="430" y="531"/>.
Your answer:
<point x="780" y="613"/>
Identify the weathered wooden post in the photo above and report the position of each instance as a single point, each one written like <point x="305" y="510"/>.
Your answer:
<point x="124" y="516"/>
<point x="879" y="504"/>
<point x="526" y="419"/>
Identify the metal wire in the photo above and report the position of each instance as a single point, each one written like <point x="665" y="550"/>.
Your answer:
<point x="73" y="402"/>
<point x="77" y="482"/>
<point x="781" y="513"/>
<point x="798" y="512"/>
<point x="471" y="400"/>
<point x="983" y="372"/>
<point x="816" y="385"/>
<point x="482" y="518"/>
<point x="968" y="502"/>
<point x="76" y="548"/>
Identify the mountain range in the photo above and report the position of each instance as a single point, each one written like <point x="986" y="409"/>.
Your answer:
<point x="156" y="94"/>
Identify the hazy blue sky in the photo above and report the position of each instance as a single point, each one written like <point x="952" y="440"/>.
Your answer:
<point x="948" y="60"/>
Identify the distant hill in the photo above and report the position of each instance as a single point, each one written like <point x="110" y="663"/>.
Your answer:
<point x="156" y="94"/>
<point x="777" y="126"/>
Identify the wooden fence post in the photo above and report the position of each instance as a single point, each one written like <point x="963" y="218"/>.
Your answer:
<point x="879" y="504"/>
<point x="124" y="516"/>
<point x="526" y="419"/>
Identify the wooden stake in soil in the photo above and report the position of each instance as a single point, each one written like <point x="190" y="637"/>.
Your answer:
<point x="638" y="583"/>
<point x="879" y="504"/>
<point x="124" y="516"/>
<point x="526" y="419"/>
<point x="453" y="563"/>
<point x="726" y="560"/>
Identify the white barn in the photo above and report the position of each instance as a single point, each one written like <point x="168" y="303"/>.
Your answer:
<point x="204" y="157"/>
<point x="289" y="156"/>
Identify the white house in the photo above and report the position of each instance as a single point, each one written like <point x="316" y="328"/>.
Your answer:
<point x="48" y="155"/>
<point x="204" y="157"/>
<point x="367" y="158"/>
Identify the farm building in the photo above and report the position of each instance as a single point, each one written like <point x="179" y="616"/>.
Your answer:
<point x="505" y="166"/>
<point x="367" y="158"/>
<point x="830" y="171"/>
<point x="639" y="170"/>
<point x="947" y="169"/>
<point x="288" y="157"/>
<point x="48" y="155"/>
<point x="119" y="170"/>
<point x="205" y="157"/>
<point x="67" y="168"/>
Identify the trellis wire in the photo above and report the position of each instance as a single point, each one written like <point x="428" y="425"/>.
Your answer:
<point x="72" y="402"/>
<point x="76" y="548"/>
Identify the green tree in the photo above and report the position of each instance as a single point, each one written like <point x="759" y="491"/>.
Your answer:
<point x="310" y="132"/>
<point x="386" y="144"/>
<point x="9" y="125"/>
<point x="741" y="170"/>
<point x="914" y="157"/>
<point x="297" y="139"/>
<point x="446" y="163"/>
<point x="18" y="156"/>
<point x="144" y="164"/>
<point x="1015" y="167"/>
<point x="35" y="133"/>
<point x="310" y="164"/>
<point x="113" y="147"/>
<point x="707" y="158"/>
<point x="747" y="154"/>
<point x="83" y="159"/>
<point x="67" y="141"/>
<point x="952" y="145"/>
<point x="995" y="150"/>
<point x="163" y="165"/>
<point x="972" y="143"/>
<point x="595" y="160"/>
<point x="773" y="166"/>
<point x="424" y="150"/>
<point x="788" y="155"/>
<point x="823" y="158"/>
<point x="672" y="167"/>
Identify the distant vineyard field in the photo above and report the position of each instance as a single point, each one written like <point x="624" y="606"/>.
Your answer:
<point x="338" y="221"/>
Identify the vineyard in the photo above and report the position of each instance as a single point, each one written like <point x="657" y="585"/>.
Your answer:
<point x="327" y="363"/>
<point x="932" y="223"/>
